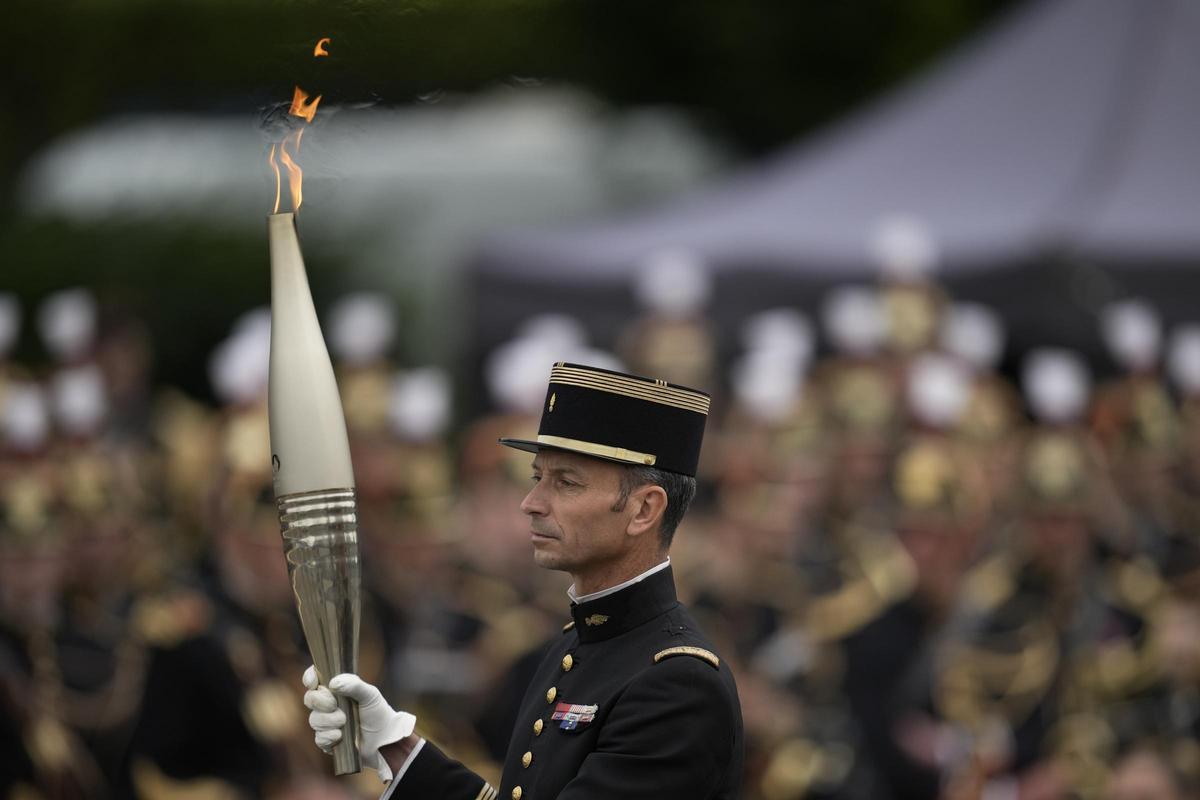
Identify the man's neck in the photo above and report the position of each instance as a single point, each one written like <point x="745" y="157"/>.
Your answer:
<point x="595" y="584"/>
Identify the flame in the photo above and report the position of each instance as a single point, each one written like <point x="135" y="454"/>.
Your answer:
<point x="302" y="106"/>
<point x="295" y="175"/>
<point x="306" y="109"/>
<point x="275" y="169"/>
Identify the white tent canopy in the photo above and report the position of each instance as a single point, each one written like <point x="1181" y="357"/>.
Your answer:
<point x="1071" y="129"/>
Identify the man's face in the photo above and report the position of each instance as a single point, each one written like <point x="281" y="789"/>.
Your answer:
<point x="572" y="524"/>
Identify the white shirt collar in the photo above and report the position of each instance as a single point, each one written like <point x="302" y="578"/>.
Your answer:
<point x="614" y="589"/>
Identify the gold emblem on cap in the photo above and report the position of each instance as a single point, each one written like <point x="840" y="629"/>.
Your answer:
<point x="924" y="477"/>
<point x="553" y="397"/>
<point x="595" y="619"/>
<point x="1056" y="467"/>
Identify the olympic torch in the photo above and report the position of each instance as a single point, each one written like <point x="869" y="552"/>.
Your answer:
<point x="314" y="481"/>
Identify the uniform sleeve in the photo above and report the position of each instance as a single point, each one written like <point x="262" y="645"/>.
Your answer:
<point x="432" y="773"/>
<point x="672" y="733"/>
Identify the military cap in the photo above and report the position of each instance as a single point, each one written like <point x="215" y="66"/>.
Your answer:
<point x="619" y="417"/>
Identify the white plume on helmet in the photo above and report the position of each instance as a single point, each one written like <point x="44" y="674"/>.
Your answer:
<point x="1057" y="384"/>
<point x="79" y="399"/>
<point x="558" y="330"/>
<point x="516" y="373"/>
<point x="765" y="386"/>
<point x="517" y="370"/>
<point x="24" y="416"/>
<point x="974" y="333"/>
<point x="67" y="323"/>
<point x="674" y="282"/>
<point x="420" y="404"/>
<point x="1183" y="358"/>
<point x="853" y="319"/>
<point x="240" y="366"/>
<point x="1132" y="329"/>
<point x="785" y="332"/>
<point x="362" y="327"/>
<point x="938" y="388"/>
<point x="904" y="248"/>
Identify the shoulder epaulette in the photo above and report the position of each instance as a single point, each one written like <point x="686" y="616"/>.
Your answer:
<point x="568" y="626"/>
<point x="695" y="652"/>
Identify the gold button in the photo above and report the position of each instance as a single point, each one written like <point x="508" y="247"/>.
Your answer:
<point x="567" y="662"/>
<point x="550" y="695"/>
<point x="527" y="759"/>
<point x="516" y="793"/>
<point x="537" y="728"/>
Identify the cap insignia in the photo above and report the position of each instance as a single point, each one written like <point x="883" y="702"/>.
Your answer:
<point x="553" y="397"/>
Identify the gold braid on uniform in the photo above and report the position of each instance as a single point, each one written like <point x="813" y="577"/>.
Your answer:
<point x="695" y="652"/>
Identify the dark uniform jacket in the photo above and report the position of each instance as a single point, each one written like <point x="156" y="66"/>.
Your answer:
<point x="630" y="702"/>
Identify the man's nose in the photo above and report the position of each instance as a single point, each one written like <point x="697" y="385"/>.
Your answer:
<point x="533" y="504"/>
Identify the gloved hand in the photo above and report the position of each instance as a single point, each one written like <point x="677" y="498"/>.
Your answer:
<point x="380" y="723"/>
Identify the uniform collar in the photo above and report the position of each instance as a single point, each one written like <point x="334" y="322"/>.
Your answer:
<point x="609" y="615"/>
<point x="587" y="598"/>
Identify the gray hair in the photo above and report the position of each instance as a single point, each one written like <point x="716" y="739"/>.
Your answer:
<point x="680" y="489"/>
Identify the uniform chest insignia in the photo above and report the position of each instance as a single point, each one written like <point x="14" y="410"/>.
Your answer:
<point x="595" y="619"/>
<point x="571" y="715"/>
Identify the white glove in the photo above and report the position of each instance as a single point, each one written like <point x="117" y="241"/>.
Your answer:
<point x="380" y="723"/>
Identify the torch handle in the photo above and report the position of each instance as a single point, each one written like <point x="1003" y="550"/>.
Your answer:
<point x="320" y="544"/>
<point x="346" y="760"/>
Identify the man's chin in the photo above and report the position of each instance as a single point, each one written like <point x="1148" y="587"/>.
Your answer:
<point x="547" y="560"/>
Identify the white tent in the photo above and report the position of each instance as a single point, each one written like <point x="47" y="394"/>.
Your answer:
<point x="1062" y="146"/>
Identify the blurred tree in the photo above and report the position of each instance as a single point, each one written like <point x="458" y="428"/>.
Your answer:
<point x="758" y="72"/>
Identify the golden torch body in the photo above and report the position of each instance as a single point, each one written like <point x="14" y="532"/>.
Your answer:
<point x="314" y="480"/>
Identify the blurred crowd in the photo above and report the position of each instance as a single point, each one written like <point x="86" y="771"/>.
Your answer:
<point x="932" y="579"/>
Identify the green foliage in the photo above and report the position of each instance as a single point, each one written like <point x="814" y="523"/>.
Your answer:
<point x="760" y="72"/>
<point x="187" y="283"/>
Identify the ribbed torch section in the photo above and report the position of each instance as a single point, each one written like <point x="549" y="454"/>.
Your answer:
<point x="314" y="482"/>
<point x="320" y="542"/>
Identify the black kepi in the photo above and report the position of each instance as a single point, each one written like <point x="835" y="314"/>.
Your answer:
<point x="619" y="417"/>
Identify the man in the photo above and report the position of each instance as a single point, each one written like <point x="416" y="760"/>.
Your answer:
<point x="630" y="701"/>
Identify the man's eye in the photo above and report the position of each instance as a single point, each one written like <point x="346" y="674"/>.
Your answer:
<point x="566" y="483"/>
<point x="535" y="478"/>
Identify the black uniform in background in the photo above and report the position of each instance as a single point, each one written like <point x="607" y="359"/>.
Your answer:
<point x="631" y="702"/>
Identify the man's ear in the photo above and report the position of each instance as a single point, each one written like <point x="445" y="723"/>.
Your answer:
<point x="648" y="504"/>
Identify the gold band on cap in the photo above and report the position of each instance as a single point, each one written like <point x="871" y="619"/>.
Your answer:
<point x="654" y="392"/>
<point x="602" y="450"/>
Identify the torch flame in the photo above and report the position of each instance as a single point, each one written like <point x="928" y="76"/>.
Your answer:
<point x="302" y="106"/>
<point x="305" y="109"/>
<point x="275" y="169"/>
<point x="295" y="175"/>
